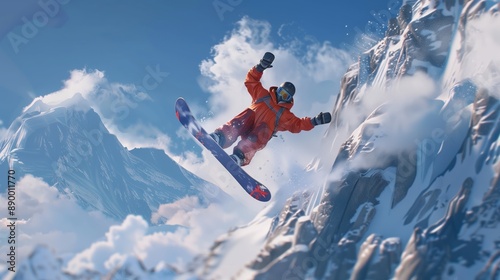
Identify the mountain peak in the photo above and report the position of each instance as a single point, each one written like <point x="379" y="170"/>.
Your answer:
<point x="44" y="104"/>
<point x="66" y="144"/>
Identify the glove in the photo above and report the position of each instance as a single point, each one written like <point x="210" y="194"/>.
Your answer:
<point x="265" y="62"/>
<point x="322" y="118"/>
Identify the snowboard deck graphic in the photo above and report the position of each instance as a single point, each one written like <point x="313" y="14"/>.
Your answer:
<point x="249" y="184"/>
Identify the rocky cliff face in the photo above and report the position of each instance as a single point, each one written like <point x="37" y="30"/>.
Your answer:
<point x="414" y="188"/>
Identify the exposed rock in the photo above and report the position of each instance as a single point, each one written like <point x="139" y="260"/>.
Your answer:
<point x="377" y="258"/>
<point x="393" y="28"/>
<point x="428" y="251"/>
<point x="404" y="16"/>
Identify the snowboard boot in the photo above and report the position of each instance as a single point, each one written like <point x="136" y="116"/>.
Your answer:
<point x="238" y="157"/>
<point x="218" y="138"/>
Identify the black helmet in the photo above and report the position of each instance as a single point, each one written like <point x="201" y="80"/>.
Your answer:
<point x="289" y="87"/>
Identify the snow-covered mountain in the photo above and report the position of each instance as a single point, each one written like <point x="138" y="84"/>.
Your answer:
<point x="68" y="146"/>
<point x="412" y="184"/>
<point x="413" y="190"/>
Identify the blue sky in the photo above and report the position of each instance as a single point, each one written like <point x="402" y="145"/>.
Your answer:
<point x="130" y="41"/>
<point x="123" y="37"/>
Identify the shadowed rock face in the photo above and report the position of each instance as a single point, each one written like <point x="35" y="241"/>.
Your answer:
<point x="377" y="258"/>
<point x="428" y="251"/>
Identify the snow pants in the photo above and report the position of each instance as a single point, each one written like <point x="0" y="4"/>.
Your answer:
<point x="254" y="136"/>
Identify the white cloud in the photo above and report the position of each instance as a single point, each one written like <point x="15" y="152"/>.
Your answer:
<point x="140" y="135"/>
<point x="482" y="59"/>
<point x="114" y="102"/>
<point x="80" y="81"/>
<point x="405" y="103"/>
<point x="169" y="211"/>
<point x="198" y="227"/>
<point x="120" y="240"/>
<point x="47" y="217"/>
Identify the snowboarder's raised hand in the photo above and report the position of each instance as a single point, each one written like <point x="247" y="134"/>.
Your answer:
<point x="322" y="118"/>
<point x="265" y="62"/>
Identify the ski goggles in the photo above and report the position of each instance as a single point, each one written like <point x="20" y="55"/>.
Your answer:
<point x="285" y="96"/>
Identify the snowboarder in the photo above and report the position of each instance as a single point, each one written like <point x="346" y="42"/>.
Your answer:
<point x="268" y="114"/>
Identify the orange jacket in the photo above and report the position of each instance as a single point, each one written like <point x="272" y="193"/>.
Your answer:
<point x="261" y="105"/>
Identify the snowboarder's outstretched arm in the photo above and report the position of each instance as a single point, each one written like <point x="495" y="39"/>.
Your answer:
<point x="252" y="80"/>
<point x="290" y="122"/>
<point x="294" y="124"/>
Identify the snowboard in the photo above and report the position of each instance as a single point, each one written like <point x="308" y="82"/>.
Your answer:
<point x="249" y="184"/>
